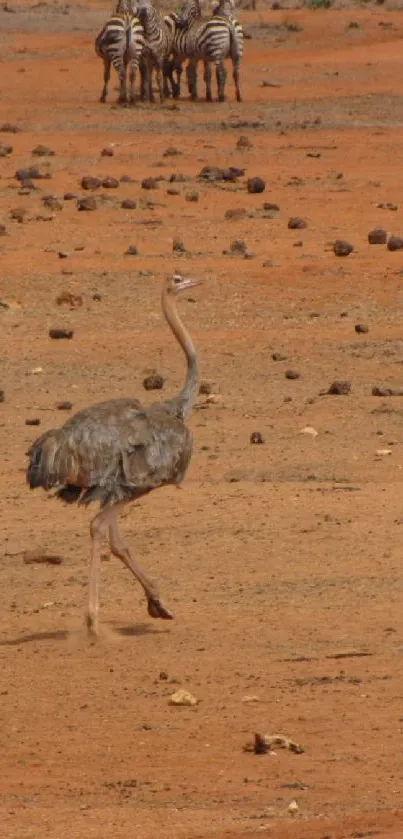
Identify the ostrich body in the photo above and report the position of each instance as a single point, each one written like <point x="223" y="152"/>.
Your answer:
<point x="117" y="451"/>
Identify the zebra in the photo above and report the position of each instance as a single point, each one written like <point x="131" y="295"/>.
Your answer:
<point x="211" y="40"/>
<point x="121" y="42"/>
<point x="158" y="46"/>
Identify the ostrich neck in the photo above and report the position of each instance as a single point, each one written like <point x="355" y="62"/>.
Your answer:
<point x="184" y="400"/>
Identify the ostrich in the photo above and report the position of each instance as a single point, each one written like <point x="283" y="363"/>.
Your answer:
<point x="117" y="451"/>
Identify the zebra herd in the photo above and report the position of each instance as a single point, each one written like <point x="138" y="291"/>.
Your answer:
<point x="137" y="37"/>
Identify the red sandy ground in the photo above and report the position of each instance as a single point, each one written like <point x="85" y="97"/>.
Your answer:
<point x="277" y="558"/>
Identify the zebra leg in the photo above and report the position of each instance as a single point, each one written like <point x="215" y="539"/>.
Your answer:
<point x="123" y="88"/>
<point x="143" y="79"/>
<point x="107" y="75"/>
<point x="207" y="79"/>
<point x="176" y="85"/>
<point x="132" y="78"/>
<point x="159" y="73"/>
<point x="221" y="77"/>
<point x="235" y="76"/>
<point x="192" y="78"/>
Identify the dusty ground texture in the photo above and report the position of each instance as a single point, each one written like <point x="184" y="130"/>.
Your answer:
<point x="281" y="561"/>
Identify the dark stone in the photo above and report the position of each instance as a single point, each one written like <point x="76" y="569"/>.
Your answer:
<point x="33" y="421"/>
<point x="342" y="248"/>
<point x="153" y="382"/>
<point x="64" y="406"/>
<point x="110" y="183"/>
<point x="361" y="328"/>
<point x="292" y="374"/>
<point x="128" y="204"/>
<point x="5" y="150"/>
<point x="42" y="151"/>
<point x="278" y="356"/>
<point x="244" y="142"/>
<point x="87" y="204"/>
<point x="131" y="251"/>
<point x="395" y="243"/>
<point x="178" y="178"/>
<point x="69" y="196"/>
<point x="193" y="195"/>
<point x="58" y="334"/>
<point x="32" y="173"/>
<point x="173" y="190"/>
<point x="256" y="438"/>
<point x="236" y="213"/>
<point x="205" y="388"/>
<point x="171" y="151"/>
<point x="9" y="128"/>
<point x="97" y="296"/>
<point x="387" y="205"/>
<point x="52" y="203"/>
<point x="88" y="182"/>
<point x="107" y="152"/>
<point x="215" y="173"/>
<point x="238" y="246"/>
<point x="178" y="246"/>
<point x="63" y="254"/>
<point x="256" y="185"/>
<point x="268" y="206"/>
<point x="339" y="388"/>
<point x="126" y="179"/>
<point x="377" y="236"/>
<point x="149" y="183"/>
<point x="18" y="214"/>
<point x="296" y="223"/>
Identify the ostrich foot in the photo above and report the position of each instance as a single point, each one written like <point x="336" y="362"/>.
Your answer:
<point x="157" y="610"/>
<point x="92" y="626"/>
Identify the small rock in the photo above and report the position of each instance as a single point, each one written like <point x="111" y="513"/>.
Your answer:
<point x="178" y="178"/>
<point x="153" y="382"/>
<point x="342" y="248"/>
<point x="131" y="251"/>
<point x="171" y="151"/>
<point x="213" y="399"/>
<point x="377" y="236"/>
<point x="278" y="356"/>
<point x="296" y="223"/>
<point x="32" y="421"/>
<point x="97" y="296"/>
<point x="238" y="246"/>
<point x="249" y="699"/>
<point x="63" y="254"/>
<point x="309" y="430"/>
<point x="5" y="150"/>
<point x="64" y="406"/>
<point x="58" y="334"/>
<point x="268" y="206"/>
<point x="293" y="808"/>
<point x="236" y="213"/>
<point x="205" y="388"/>
<point x="9" y="128"/>
<point x="182" y="697"/>
<point x="42" y="151"/>
<point x="67" y="298"/>
<point x="383" y="452"/>
<point x="361" y="328"/>
<point x="395" y="243"/>
<point x="89" y="182"/>
<point x="256" y="185"/>
<point x="69" y="196"/>
<point x="3" y="230"/>
<point x="244" y="142"/>
<point x="256" y="438"/>
<point x="52" y="203"/>
<point x="126" y="179"/>
<point x="18" y="214"/>
<point x="292" y="374"/>
<point x="32" y="173"/>
<point x="192" y="195"/>
<point x="387" y="205"/>
<point x="110" y="183"/>
<point x="177" y="245"/>
<point x="172" y="190"/>
<point x="339" y="388"/>
<point x="87" y="203"/>
<point x="108" y="151"/>
<point x="41" y="557"/>
<point x="128" y="204"/>
<point x="149" y="183"/>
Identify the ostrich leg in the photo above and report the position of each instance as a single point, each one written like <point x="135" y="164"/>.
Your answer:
<point x="119" y="548"/>
<point x="98" y="530"/>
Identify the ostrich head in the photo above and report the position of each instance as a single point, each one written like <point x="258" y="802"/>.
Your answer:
<point x="175" y="283"/>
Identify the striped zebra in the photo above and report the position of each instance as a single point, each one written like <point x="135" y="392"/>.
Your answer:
<point x="210" y="41"/>
<point x="158" y="46"/>
<point x="121" y="43"/>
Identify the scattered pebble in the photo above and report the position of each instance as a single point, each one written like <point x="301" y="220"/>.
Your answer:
<point x="18" y="214"/>
<point x="69" y="196"/>
<point x="33" y="421"/>
<point x="236" y="213"/>
<point x="387" y="206"/>
<point x="292" y="374"/>
<point x="177" y="245"/>
<point x="87" y="203"/>
<point x="153" y="382"/>
<point x="256" y="438"/>
<point x="110" y="183"/>
<point x="178" y="178"/>
<point x="244" y="142"/>
<point x="192" y="195"/>
<point x="256" y="185"/>
<point x="131" y="251"/>
<point x="205" y="388"/>
<point x="339" y="388"/>
<point x="296" y="223"/>
<point x="63" y="254"/>
<point x="238" y="246"/>
<point x="52" y="203"/>
<point x="171" y="151"/>
<point x="5" y="150"/>
<point x="342" y="248"/>
<point x="183" y="697"/>
<point x="386" y="391"/>
<point x="268" y="206"/>
<point x="58" y="334"/>
<point x="213" y="399"/>
<point x="89" y="182"/>
<point x="128" y="204"/>
<point x="67" y="298"/>
<point x="9" y="128"/>
<point x="361" y="328"/>
<point x="41" y="557"/>
<point x="383" y="452"/>
<point x="395" y="243"/>
<point x="64" y="406"/>
<point x="310" y="431"/>
<point x="293" y="808"/>
<point x="32" y="173"/>
<point x="42" y="151"/>
<point x="377" y="236"/>
<point x="149" y="183"/>
<point x="173" y="190"/>
<point x="278" y="356"/>
<point x="108" y="151"/>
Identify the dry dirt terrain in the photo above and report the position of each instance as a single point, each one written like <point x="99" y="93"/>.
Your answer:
<point x="282" y="561"/>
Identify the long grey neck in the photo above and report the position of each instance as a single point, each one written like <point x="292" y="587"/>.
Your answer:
<point x="182" y="404"/>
